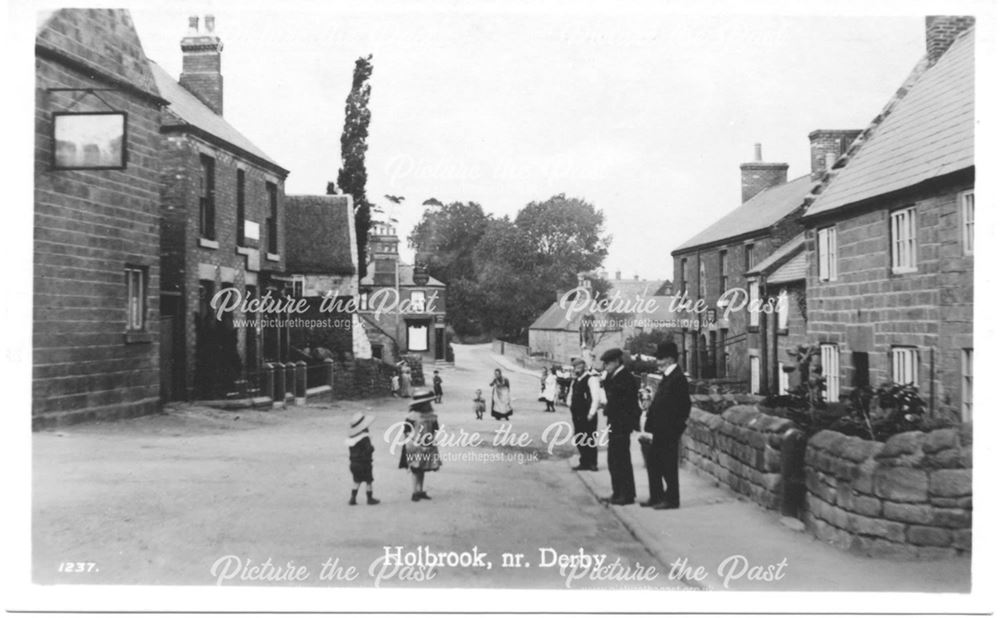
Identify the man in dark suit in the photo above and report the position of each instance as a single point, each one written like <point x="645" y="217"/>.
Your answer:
<point x="622" y="409"/>
<point x="665" y="420"/>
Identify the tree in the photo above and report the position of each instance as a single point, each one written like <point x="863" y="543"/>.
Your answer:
<point x="353" y="176"/>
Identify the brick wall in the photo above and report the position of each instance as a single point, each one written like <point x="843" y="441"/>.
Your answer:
<point x="88" y="225"/>
<point x="868" y="309"/>
<point x="185" y="260"/>
<point x="910" y="497"/>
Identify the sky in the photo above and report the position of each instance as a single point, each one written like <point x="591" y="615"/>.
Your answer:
<point x="647" y="114"/>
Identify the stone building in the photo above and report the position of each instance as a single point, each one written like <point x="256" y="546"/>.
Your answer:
<point x="890" y="239"/>
<point x="712" y="265"/>
<point x="413" y="316"/>
<point x="96" y="221"/>
<point x="222" y="227"/>
<point x="321" y="260"/>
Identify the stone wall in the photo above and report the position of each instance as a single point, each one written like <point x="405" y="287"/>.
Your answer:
<point x="740" y="448"/>
<point x="909" y="497"/>
<point x="362" y="379"/>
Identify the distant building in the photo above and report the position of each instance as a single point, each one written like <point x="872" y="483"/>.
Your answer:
<point x="95" y="340"/>
<point x="415" y="317"/>
<point x="222" y="227"/>
<point x="890" y="239"/>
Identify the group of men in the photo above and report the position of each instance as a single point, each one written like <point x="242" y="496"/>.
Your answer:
<point x="616" y="389"/>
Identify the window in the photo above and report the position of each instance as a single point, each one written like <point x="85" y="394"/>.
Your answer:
<point x="826" y="241"/>
<point x="783" y="310"/>
<point x="967" y="206"/>
<point x="782" y="379"/>
<point x="135" y="281"/>
<point x="206" y="199"/>
<point x="272" y="217"/>
<point x="753" y="306"/>
<point x="684" y="283"/>
<point x="904" y="365"/>
<point x="750" y="260"/>
<point x="417" y="299"/>
<point x="298" y="286"/>
<point x="754" y="375"/>
<point x="829" y="358"/>
<point x="363" y="301"/>
<point x="723" y="279"/>
<point x="702" y="281"/>
<point x="903" y="240"/>
<point x="967" y="385"/>
<point x="241" y="211"/>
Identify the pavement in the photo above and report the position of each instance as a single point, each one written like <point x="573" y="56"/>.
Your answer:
<point x="250" y="497"/>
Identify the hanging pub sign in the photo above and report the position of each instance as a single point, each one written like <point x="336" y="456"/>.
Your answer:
<point x="88" y="140"/>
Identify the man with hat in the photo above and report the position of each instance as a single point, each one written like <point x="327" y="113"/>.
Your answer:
<point x="666" y="420"/>
<point x="622" y="409"/>
<point x="584" y="399"/>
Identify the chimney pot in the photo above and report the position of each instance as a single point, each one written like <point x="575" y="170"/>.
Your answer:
<point x="757" y="152"/>
<point x="210" y="23"/>
<point x="193" y="23"/>
<point x="201" y="70"/>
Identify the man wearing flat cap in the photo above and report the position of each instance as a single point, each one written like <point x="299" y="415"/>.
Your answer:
<point x="666" y="419"/>
<point x="622" y="409"/>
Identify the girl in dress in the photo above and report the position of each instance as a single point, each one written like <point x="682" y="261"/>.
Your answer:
<point x="501" y="408"/>
<point x="420" y="453"/>
<point x="549" y="388"/>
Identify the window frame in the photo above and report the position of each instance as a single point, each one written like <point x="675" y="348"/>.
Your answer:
<point x="826" y="250"/>
<point x="830" y="355"/>
<point x="271" y="189"/>
<point x="683" y="290"/>
<point x="136" y="308"/>
<point x="723" y="277"/>
<point x="910" y="357"/>
<point x="206" y="198"/>
<point x="967" y="214"/>
<point x="753" y="294"/>
<point x="903" y="247"/>
<point x="782" y="311"/>
<point x="420" y="307"/>
<point x="702" y="279"/>
<point x="241" y="207"/>
<point x="754" y="374"/>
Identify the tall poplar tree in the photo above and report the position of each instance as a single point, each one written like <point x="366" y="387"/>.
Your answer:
<point x="353" y="175"/>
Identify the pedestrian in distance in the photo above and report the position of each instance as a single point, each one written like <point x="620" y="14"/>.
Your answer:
<point x="479" y="404"/>
<point x="666" y="420"/>
<point x="549" y="389"/>
<point x="500" y="407"/>
<point x="420" y="452"/>
<point x="360" y="447"/>
<point x="622" y="410"/>
<point x="438" y="391"/>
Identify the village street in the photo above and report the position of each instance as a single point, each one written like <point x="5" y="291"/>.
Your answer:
<point x="160" y="499"/>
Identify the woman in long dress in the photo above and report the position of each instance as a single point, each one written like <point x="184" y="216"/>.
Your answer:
<point x="549" y="386"/>
<point x="501" y="408"/>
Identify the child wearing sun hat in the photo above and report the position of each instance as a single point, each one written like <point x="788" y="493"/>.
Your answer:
<point x="360" y="445"/>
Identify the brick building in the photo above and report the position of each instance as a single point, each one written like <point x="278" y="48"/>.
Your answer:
<point x="890" y="239"/>
<point x="223" y="227"/>
<point x="714" y="264"/>
<point x="96" y="221"/>
<point x="420" y="328"/>
<point x="322" y="253"/>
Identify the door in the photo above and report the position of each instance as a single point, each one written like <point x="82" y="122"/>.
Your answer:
<point x="167" y="358"/>
<point x="438" y="344"/>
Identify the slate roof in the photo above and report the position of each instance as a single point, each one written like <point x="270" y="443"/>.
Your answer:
<point x="927" y="133"/>
<point x="554" y="318"/>
<point x="186" y="111"/>
<point x="319" y="234"/>
<point x="780" y="255"/>
<point x="629" y="288"/>
<point x="755" y="215"/>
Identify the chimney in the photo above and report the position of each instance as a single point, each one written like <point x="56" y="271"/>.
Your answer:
<point x="940" y="32"/>
<point x="826" y="146"/>
<point x="201" y="73"/>
<point x="759" y="175"/>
